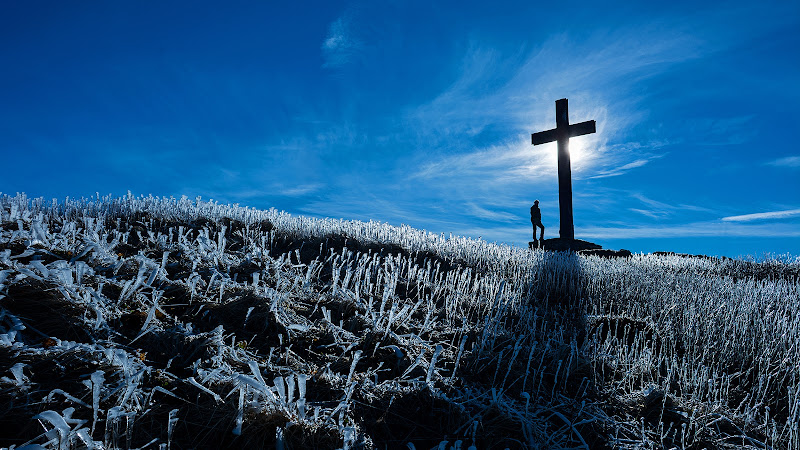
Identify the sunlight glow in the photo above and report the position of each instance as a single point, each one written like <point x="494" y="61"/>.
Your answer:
<point x="583" y="154"/>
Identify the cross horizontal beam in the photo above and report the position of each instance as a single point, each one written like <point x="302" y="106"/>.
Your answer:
<point x="578" y="129"/>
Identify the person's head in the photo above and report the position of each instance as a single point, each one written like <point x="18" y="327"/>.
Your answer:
<point x="536" y="202"/>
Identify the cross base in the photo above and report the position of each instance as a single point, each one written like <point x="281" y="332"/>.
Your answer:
<point x="572" y="245"/>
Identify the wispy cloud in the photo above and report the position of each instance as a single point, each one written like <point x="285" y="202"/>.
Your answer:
<point x="773" y="215"/>
<point x="648" y="212"/>
<point x="603" y="200"/>
<point x="663" y="208"/>
<point x="493" y="215"/>
<point x="696" y="229"/>
<point x="490" y="86"/>
<point x="512" y="95"/>
<point x="501" y="163"/>
<point x="789" y="161"/>
<point x="340" y="46"/>
<point x="300" y="190"/>
<point x="616" y="171"/>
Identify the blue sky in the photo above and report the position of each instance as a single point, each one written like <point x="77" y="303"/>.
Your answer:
<point x="420" y="112"/>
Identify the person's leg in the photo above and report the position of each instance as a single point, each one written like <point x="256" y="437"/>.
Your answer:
<point x="537" y="224"/>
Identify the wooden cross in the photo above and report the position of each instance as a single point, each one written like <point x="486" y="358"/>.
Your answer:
<point x="561" y="133"/>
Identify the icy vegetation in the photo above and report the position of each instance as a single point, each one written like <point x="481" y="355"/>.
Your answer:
<point x="163" y="323"/>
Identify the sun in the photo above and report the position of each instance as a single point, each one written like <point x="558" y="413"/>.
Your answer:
<point x="578" y="153"/>
<point x="581" y="155"/>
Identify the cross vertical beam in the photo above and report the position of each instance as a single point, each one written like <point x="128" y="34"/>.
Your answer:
<point x="566" y="228"/>
<point x="561" y="134"/>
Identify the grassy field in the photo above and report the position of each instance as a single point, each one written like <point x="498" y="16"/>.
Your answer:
<point x="170" y="323"/>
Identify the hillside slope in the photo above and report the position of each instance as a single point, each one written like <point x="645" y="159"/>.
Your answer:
<point x="142" y="322"/>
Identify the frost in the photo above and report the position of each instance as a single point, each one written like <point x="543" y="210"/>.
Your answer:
<point x="60" y="427"/>
<point x="116" y="418"/>
<point x="19" y="378"/>
<point x="66" y="395"/>
<point x="317" y="323"/>
<point x="3" y="276"/>
<point x="173" y="419"/>
<point x="97" y="380"/>
<point x="356" y="356"/>
<point x="429" y="376"/>
<point x="62" y="431"/>
<point x="194" y="382"/>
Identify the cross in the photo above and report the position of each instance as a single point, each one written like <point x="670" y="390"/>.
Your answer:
<point x="561" y="133"/>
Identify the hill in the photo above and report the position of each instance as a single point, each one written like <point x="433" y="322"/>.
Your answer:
<point x="169" y="323"/>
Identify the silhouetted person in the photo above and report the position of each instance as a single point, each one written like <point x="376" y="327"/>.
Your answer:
<point x="536" y="220"/>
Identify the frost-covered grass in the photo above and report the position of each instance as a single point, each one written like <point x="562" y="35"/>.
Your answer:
<point x="162" y="323"/>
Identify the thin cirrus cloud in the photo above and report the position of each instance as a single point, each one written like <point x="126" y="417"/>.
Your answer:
<point x="648" y="212"/>
<point x="521" y="100"/>
<point x="772" y="215"/>
<point x="789" y="161"/>
<point x="624" y="168"/>
<point x="500" y="164"/>
<point x="486" y="214"/>
<point x="303" y="189"/>
<point x="667" y="207"/>
<point x="696" y="229"/>
<point x="659" y="210"/>
<point x="340" y="46"/>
